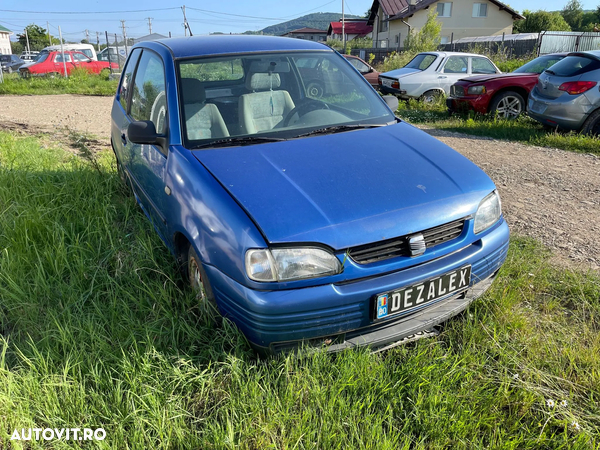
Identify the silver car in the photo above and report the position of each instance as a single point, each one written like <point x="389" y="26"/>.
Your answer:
<point x="429" y="75"/>
<point x="567" y="94"/>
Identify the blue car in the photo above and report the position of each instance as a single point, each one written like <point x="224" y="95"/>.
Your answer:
<point x="316" y="221"/>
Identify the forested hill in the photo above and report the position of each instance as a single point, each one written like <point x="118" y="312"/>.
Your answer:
<point x="319" y="21"/>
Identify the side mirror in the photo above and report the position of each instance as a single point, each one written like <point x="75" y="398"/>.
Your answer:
<point x="144" y="132"/>
<point x="370" y="70"/>
<point x="391" y="100"/>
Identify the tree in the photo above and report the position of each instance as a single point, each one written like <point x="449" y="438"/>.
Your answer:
<point x="538" y="21"/>
<point x="427" y="38"/>
<point x="38" y="38"/>
<point x="573" y="14"/>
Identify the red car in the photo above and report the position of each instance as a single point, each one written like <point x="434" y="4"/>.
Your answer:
<point x="51" y="63"/>
<point x="370" y="74"/>
<point x="504" y="94"/>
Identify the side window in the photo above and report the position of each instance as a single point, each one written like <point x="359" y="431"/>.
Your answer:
<point x="126" y="77"/>
<point x="148" y="99"/>
<point x="456" y="64"/>
<point x="87" y="52"/>
<point x="80" y="57"/>
<point x="360" y="66"/>
<point x="482" y="65"/>
<point x="59" y="57"/>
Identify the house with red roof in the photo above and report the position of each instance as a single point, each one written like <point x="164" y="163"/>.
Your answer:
<point x="353" y="28"/>
<point x="392" y="20"/>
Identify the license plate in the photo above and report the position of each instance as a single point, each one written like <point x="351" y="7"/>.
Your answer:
<point x="395" y="302"/>
<point x="538" y="107"/>
<point x="387" y="82"/>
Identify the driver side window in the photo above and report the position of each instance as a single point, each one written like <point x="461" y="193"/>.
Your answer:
<point x="149" y="101"/>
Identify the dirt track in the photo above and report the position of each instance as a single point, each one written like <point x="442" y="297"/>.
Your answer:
<point x="551" y="195"/>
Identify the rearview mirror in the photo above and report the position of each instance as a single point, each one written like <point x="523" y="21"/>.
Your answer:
<point x="391" y="100"/>
<point x="144" y="132"/>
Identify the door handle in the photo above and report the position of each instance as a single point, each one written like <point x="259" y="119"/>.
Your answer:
<point x="124" y="139"/>
<point x="442" y="76"/>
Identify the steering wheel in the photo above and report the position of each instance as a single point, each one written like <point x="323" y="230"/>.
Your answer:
<point x="307" y="105"/>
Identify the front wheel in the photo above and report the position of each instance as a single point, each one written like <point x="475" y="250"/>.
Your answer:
<point x="508" y="105"/>
<point x="432" y="96"/>
<point x="200" y="284"/>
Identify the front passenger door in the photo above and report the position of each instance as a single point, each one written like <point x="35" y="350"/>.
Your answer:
<point x="147" y="163"/>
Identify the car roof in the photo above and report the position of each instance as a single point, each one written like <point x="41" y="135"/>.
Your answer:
<point x="454" y="53"/>
<point x="593" y="53"/>
<point x="227" y="44"/>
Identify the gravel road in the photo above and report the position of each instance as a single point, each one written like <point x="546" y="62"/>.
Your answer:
<point x="548" y="194"/>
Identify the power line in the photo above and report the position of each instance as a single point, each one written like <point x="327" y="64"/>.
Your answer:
<point x="86" y="12"/>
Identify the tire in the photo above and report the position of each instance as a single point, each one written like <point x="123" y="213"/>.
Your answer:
<point x="592" y="124"/>
<point x="200" y="284"/>
<point x="508" y="105"/>
<point x="9" y="69"/>
<point x="431" y="96"/>
<point x="314" y="89"/>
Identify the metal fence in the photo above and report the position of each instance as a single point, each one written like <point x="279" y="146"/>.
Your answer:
<point x="511" y="48"/>
<point x="568" y="41"/>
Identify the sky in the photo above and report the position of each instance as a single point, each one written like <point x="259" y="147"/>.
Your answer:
<point x="235" y="16"/>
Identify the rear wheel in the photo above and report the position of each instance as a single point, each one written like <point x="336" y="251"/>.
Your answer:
<point x="592" y="124"/>
<point x="508" y="105"/>
<point x="314" y="89"/>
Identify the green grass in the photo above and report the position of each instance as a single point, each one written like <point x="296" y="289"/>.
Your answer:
<point x="524" y="129"/>
<point x="98" y="330"/>
<point x="79" y="82"/>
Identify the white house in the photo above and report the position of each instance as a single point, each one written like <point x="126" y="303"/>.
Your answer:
<point x="5" y="48"/>
<point x="393" y="19"/>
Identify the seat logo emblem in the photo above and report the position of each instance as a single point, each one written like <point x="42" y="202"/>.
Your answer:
<point x="417" y="244"/>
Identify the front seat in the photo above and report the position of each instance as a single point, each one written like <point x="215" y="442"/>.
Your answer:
<point x="202" y="120"/>
<point x="266" y="106"/>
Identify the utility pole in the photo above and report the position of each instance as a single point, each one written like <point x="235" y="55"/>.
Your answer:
<point x="124" y="35"/>
<point x="62" y="52"/>
<point x="186" y="25"/>
<point x="149" y="24"/>
<point x="98" y="40"/>
<point x="27" y="39"/>
<point x="48" y="29"/>
<point x="343" y="30"/>
<point x="87" y="36"/>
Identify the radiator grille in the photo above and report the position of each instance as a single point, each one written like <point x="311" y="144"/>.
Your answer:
<point x="391" y="248"/>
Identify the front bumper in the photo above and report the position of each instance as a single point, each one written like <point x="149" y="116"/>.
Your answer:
<point x="340" y="315"/>
<point x="478" y="104"/>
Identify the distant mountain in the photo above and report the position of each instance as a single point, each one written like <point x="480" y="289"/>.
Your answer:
<point x="319" y="21"/>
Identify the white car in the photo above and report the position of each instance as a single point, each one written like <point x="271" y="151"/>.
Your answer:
<point x="429" y="75"/>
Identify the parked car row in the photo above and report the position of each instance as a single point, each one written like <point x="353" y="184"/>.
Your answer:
<point x="559" y="90"/>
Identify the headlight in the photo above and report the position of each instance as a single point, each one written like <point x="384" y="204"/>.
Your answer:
<point x="488" y="213"/>
<point x="287" y="264"/>
<point x="476" y="90"/>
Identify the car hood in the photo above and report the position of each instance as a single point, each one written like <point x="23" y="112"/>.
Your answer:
<point x="498" y="76"/>
<point x="399" y="73"/>
<point x="349" y="188"/>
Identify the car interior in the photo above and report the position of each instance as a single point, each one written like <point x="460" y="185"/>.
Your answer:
<point x="236" y="97"/>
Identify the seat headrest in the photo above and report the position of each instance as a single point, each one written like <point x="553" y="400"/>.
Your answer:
<point x="193" y="91"/>
<point x="263" y="81"/>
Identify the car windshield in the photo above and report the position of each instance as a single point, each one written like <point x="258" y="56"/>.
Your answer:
<point x="40" y="57"/>
<point x="422" y="61"/>
<point x="538" y="65"/>
<point x="274" y="96"/>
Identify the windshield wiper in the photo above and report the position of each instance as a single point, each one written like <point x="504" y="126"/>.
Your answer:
<point x="340" y="129"/>
<point x="237" y="141"/>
